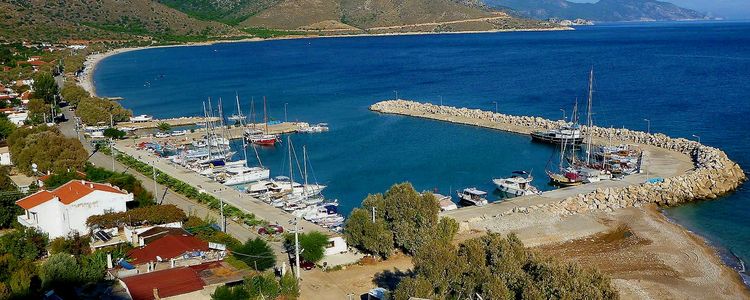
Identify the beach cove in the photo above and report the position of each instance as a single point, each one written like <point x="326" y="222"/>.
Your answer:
<point x="344" y="104"/>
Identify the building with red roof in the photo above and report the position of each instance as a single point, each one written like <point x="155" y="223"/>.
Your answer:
<point x="167" y="248"/>
<point x="64" y="210"/>
<point x="161" y="284"/>
<point x="186" y="282"/>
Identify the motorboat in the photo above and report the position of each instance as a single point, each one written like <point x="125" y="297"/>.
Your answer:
<point x="473" y="196"/>
<point x="519" y="184"/>
<point x="242" y="175"/>
<point x="565" y="134"/>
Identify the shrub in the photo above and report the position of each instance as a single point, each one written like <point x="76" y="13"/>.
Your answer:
<point x="256" y="253"/>
<point x="313" y="243"/>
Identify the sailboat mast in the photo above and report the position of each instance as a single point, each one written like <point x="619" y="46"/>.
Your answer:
<point x="291" y="169"/>
<point x="252" y="110"/>
<point x="265" y="114"/>
<point x="590" y="120"/>
<point x="304" y="162"/>
<point x="242" y="125"/>
<point x="208" y="132"/>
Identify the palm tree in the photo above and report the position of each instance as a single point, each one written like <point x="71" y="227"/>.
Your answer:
<point x="164" y="127"/>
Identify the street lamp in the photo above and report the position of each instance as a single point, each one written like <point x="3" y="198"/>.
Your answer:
<point x="648" y="130"/>
<point x="396" y="92"/>
<point x="697" y="137"/>
<point x="441" y="100"/>
<point x="565" y="118"/>
<point x="495" y="105"/>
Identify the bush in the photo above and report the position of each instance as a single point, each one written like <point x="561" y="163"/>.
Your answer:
<point x="96" y="110"/>
<point x="74" y="244"/>
<point x="46" y="147"/>
<point x="156" y="214"/>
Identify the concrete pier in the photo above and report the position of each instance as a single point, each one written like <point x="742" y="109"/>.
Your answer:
<point x="184" y="121"/>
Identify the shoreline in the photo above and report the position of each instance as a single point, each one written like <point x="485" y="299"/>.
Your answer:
<point x="86" y="79"/>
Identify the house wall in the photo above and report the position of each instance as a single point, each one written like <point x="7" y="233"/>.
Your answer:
<point x="49" y="219"/>
<point x="95" y="203"/>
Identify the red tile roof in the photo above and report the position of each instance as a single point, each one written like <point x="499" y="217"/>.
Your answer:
<point x="167" y="247"/>
<point x="171" y="282"/>
<point x="67" y="193"/>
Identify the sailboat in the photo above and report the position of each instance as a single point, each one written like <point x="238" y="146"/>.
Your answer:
<point x="567" y="176"/>
<point x="243" y="174"/>
<point x="263" y="139"/>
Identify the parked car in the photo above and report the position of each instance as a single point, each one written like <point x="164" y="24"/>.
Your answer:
<point x="307" y="265"/>
<point x="271" y="229"/>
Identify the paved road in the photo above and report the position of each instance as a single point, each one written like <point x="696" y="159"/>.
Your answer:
<point x="239" y="231"/>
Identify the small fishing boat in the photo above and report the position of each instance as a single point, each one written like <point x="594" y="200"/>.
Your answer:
<point x="263" y="139"/>
<point x="519" y="184"/>
<point x="473" y="196"/>
<point x="445" y="202"/>
<point x="568" y="177"/>
<point x="316" y="128"/>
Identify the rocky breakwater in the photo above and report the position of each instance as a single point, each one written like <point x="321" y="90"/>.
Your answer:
<point x="714" y="173"/>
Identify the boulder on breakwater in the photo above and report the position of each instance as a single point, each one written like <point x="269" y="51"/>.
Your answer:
<point x="714" y="173"/>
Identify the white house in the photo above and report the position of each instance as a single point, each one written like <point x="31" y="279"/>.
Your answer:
<point x="64" y="210"/>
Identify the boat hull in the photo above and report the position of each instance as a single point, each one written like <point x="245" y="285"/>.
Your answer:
<point x="543" y="138"/>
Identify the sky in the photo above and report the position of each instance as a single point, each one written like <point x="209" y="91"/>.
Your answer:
<point x="729" y="9"/>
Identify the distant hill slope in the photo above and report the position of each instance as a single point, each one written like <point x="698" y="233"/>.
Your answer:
<point x="604" y="10"/>
<point x="36" y="19"/>
<point x="194" y="20"/>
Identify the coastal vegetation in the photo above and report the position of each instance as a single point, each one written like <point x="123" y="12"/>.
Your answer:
<point x="125" y="181"/>
<point x="93" y="111"/>
<point x="401" y="218"/>
<point x="46" y="148"/>
<point x="497" y="267"/>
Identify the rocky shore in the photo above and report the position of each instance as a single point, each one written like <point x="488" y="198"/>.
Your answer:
<point x="714" y="173"/>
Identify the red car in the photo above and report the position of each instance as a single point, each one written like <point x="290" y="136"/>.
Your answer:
<point x="306" y="265"/>
<point x="271" y="229"/>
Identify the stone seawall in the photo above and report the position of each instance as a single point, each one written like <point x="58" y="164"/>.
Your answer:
<point x="714" y="173"/>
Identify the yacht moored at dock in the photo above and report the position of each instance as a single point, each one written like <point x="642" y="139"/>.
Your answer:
<point x="473" y="196"/>
<point x="517" y="185"/>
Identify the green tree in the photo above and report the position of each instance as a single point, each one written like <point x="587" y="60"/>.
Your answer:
<point x="288" y="286"/>
<point x="164" y="127"/>
<point x="114" y="133"/>
<point x="37" y="111"/>
<point x="402" y="216"/>
<point x="262" y="286"/>
<point x="497" y="267"/>
<point x="60" y="270"/>
<point x="313" y="243"/>
<point x="230" y="293"/>
<point x="47" y="148"/>
<point x="45" y="87"/>
<point x="27" y="244"/>
<point x="73" y="93"/>
<point x="74" y="244"/>
<point x="94" y="111"/>
<point x="6" y="128"/>
<point x="375" y="238"/>
<point x="256" y="253"/>
<point x="92" y="267"/>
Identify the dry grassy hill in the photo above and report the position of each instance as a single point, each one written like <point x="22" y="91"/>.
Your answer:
<point x="193" y="20"/>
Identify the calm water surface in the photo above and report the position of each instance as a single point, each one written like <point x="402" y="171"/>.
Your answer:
<point x="687" y="78"/>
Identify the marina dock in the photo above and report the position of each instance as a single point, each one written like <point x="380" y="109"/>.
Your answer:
<point x="174" y="122"/>
<point x="232" y="132"/>
<point x="229" y="195"/>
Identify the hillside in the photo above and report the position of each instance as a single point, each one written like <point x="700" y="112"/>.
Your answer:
<point x="101" y="19"/>
<point x="200" y="20"/>
<point x="603" y="10"/>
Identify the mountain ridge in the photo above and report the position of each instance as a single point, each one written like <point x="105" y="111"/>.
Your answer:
<point x="603" y="10"/>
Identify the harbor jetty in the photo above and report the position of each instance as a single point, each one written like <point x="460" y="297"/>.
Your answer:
<point x="711" y="175"/>
<point x="174" y="122"/>
<point x="232" y="132"/>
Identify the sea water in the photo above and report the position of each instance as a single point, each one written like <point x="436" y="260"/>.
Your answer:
<point x="689" y="79"/>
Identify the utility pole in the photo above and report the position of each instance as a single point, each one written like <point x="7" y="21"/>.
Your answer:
<point x="495" y="105"/>
<point x="111" y="142"/>
<point x="373" y="214"/>
<point x="395" y="91"/>
<point x="648" y="128"/>
<point x="296" y="250"/>
<point x="153" y="170"/>
<point x="441" y="100"/>
<point x="223" y="219"/>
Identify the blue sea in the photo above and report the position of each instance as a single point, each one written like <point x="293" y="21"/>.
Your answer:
<point x="690" y="80"/>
